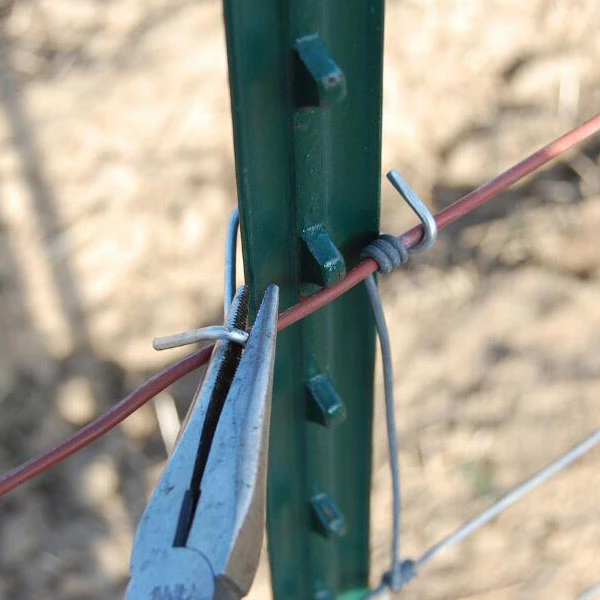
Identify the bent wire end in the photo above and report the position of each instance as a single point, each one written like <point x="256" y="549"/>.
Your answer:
<point x="430" y="228"/>
<point x="205" y="334"/>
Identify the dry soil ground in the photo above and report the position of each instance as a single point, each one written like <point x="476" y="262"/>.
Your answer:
<point x="116" y="180"/>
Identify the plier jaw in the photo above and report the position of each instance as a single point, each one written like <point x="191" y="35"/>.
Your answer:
<point x="201" y="534"/>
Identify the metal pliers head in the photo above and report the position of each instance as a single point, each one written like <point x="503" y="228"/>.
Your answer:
<point x="201" y="535"/>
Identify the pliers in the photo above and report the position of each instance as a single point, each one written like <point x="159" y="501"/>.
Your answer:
<point x="201" y="534"/>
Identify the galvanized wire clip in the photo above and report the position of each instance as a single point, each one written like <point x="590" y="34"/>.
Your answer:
<point x="389" y="253"/>
<point x="387" y="250"/>
<point x="420" y="208"/>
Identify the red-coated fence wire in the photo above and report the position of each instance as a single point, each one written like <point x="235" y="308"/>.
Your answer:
<point x="449" y="215"/>
<point x="468" y="203"/>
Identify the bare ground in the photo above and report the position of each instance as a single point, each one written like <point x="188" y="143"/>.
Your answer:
<point x="116" y="179"/>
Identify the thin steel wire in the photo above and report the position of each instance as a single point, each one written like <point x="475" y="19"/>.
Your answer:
<point x="160" y="381"/>
<point x="554" y="468"/>
<point x="230" y="258"/>
<point x="407" y="569"/>
<point x="590" y="593"/>
<point x="390" y="420"/>
<point x="430" y="229"/>
<point x="390" y="254"/>
<point x="204" y="334"/>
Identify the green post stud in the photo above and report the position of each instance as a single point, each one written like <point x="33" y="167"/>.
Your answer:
<point x="306" y="79"/>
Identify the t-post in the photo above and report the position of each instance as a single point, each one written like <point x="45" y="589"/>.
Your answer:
<point x="306" y="86"/>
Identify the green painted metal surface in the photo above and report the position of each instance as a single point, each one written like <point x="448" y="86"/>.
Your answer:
<point x="358" y="594"/>
<point x="320" y="80"/>
<point x="325" y="405"/>
<point x="299" y="167"/>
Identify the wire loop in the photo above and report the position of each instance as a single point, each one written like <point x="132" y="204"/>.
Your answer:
<point x="402" y="573"/>
<point x="387" y="251"/>
<point x="395" y="579"/>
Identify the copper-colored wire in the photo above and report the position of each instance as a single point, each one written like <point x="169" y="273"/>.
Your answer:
<point x="165" y="378"/>
<point x="105" y="422"/>
<point x="449" y="215"/>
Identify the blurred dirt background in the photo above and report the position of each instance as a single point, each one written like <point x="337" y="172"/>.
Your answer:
<point x="116" y="182"/>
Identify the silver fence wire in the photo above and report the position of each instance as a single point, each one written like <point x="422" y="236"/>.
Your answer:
<point x="401" y="571"/>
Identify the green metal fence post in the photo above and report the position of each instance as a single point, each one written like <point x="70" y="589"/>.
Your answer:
<point x="306" y="79"/>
